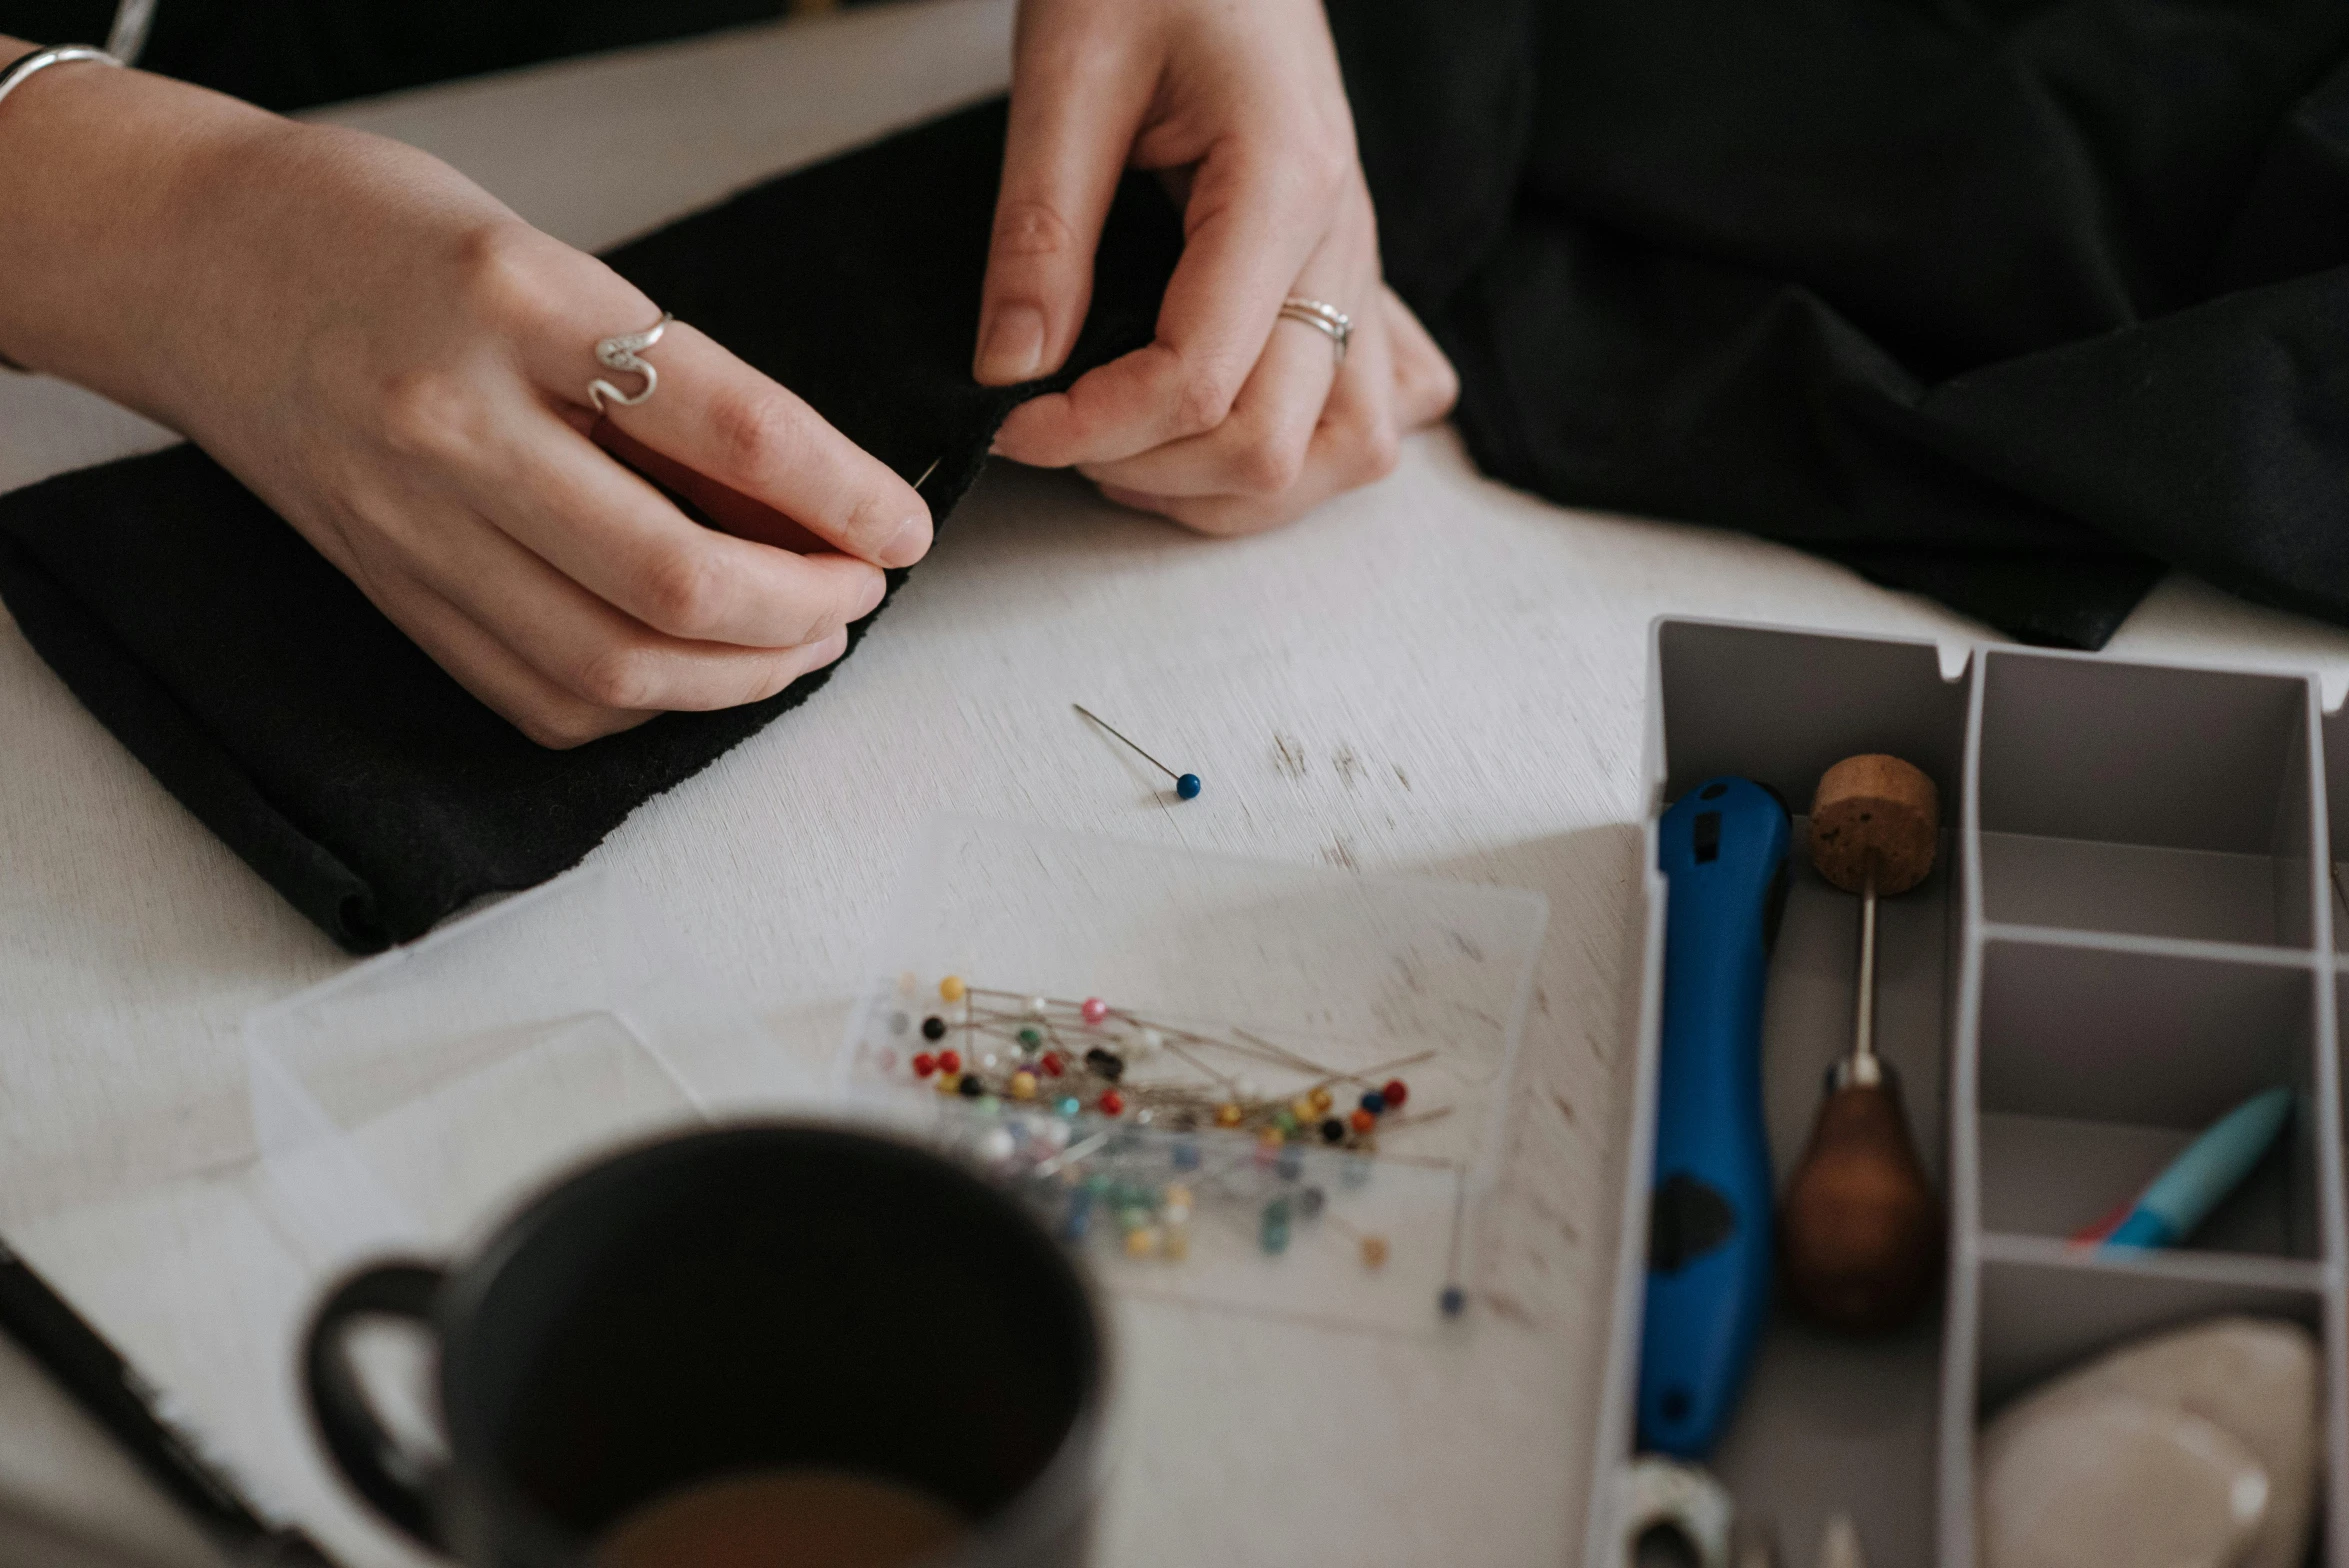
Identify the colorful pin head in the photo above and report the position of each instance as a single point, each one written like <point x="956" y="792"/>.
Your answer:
<point x="1186" y="784"/>
<point x="1090" y="1133"/>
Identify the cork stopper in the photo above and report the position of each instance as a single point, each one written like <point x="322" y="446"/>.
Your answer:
<point x="1875" y="808"/>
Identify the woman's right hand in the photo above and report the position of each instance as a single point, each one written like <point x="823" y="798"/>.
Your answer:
<point x="400" y="366"/>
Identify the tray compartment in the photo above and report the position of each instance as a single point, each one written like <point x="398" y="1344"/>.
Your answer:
<point x="2043" y="1316"/>
<point x="2136" y="798"/>
<point x="1783" y="707"/>
<point x="1821" y="1409"/>
<point x="2044" y="1309"/>
<point x="1825" y="1423"/>
<point x="1833" y="1425"/>
<point x="2099" y="1065"/>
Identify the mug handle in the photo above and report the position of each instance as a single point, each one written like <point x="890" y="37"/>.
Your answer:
<point x="368" y="1456"/>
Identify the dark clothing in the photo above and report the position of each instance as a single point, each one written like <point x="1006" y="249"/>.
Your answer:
<point x="2010" y="302"/>
<point x="295" y="54"/>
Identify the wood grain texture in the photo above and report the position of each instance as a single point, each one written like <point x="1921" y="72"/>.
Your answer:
<point x="1435" y="675"/>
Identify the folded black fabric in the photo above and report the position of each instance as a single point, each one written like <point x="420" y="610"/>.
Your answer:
<point x="2009" y="302"/>
<point x="326" y="749"/>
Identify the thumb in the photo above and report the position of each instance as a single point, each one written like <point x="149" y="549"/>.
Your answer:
<point x="1072" y="125"/>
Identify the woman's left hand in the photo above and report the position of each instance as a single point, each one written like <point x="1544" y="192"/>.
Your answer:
<point x="1234" y="419"/>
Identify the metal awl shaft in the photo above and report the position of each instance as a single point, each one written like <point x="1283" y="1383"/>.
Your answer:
<point x="1863" y="1043"/>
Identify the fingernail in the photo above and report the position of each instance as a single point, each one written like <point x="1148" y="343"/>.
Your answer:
<point x="875" y="592"/>
<point x="909" y="544"/>
<point x="1013" y="349"/>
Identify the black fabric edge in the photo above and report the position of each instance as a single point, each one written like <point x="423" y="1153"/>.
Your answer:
<point x="130" y="702"/>
<point x="186" y="760"/>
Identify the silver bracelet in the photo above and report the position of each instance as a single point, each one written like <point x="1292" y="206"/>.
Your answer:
<point x="27" y="66"/>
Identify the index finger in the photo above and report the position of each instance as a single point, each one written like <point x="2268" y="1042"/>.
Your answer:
<point x="1256" y="213"/>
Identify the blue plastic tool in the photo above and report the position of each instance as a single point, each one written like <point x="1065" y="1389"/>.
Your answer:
<point x="2199" y="1179"/>
<point x="1723" y="852"/>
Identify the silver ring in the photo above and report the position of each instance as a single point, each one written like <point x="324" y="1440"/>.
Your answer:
<point x="24" y="67"/>
<point x="620" y="354"/>
<point x="1322" y="317"/>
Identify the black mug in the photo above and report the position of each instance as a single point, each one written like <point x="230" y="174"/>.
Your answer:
<point x="758" y="1300"/>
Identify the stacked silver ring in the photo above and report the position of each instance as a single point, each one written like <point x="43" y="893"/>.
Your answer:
<point x="1322" y="317"/>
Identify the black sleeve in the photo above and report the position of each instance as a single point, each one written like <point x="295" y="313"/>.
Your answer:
<point x="57" y="21"/>
<point x="292" y="54"/>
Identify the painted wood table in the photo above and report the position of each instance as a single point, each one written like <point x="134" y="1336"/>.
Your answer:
<point x="1436" y="675"/>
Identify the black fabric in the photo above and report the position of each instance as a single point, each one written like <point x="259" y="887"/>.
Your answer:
<point x="57" y="21"/>
<point x="295" y="54"/>
<point x="2009" y="302"/>
<point x="292" y="54"/>
<point x="369" y="788"/>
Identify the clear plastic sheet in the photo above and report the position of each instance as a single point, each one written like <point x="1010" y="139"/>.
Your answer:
<point x="1351" y="973"/>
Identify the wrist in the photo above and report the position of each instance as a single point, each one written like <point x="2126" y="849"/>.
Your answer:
<point x="98" y="167"/>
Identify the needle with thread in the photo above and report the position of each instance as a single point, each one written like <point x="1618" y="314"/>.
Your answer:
<point x="1186" y="784"/>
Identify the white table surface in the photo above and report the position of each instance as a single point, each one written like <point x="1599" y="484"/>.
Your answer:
<point x="1435" y="675"/>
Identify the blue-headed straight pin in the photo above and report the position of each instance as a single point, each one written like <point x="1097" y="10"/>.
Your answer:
<point x="1186" y="784"/>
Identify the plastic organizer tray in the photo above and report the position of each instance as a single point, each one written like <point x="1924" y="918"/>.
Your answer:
<point x="2129" y="929"/>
